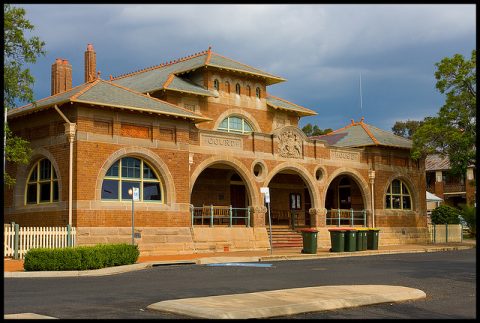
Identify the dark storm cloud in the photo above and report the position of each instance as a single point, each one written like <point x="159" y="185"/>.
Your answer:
<point x="320" y="49"/>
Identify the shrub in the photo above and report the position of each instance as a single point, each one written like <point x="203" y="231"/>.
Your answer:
<point x="445" y="214"/>
<point x="469" y="215"/>
<point x="80" y="258"/>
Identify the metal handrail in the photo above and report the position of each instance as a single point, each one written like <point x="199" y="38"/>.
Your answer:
<point x="346" y="217"/>
<point x="209" y="213"/>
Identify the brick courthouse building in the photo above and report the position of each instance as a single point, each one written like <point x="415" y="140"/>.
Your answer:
<point x="199" y="136"/>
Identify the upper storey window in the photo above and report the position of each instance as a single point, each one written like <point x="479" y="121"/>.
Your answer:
<point x="42" y="185"/>
<point x="216" y="85"/>
<point x="131" y="172"/>
<point x="227" y="87"/>
<point x="235" y="124"/>
<point x="258" y="92"/>
<point x="237" y="89"/>
<point x="249" y="91"/>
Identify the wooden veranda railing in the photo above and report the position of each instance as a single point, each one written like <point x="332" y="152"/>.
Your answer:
<point x="349" y="217"/>
<point x="220" y="215"/>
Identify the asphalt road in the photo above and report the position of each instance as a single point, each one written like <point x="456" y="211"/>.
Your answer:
<point x="448" y="278"/>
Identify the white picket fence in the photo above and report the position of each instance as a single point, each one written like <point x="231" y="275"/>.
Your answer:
<point x="443" y="233"/>
<point x="35" y="237"/>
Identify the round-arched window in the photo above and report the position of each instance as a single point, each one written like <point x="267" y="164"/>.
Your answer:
<point x="398" y="196"/>
<point x="216" y="85"/>
<point x="42" y="184"/>
<point x="249" y="91"/>
<point x="227" y="87"/>
<point x="237" y="88"/>
<point x="258" y="92"/>
<point x="235" y="124"/>
<point x="131" y="172"/>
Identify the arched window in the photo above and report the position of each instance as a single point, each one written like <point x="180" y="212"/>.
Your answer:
<point x="42" y="184"/>
<point x="235" y="124"/>
<point x="216" y="85"/>
<point x="227" y="87"/>
<point x="131" y="172"/>
<point x="237" y="88"/>
<point x="258" y="92"/>
<point x="398" y="196"/>
<point x="249" y="91"/>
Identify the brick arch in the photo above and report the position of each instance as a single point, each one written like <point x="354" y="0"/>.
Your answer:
<point x="152" y="158"/>
<point x="24" y="170"/>
<point x="361" y="182"/>
<point x="241" y="169"/>
<point x="303" y="173"/>
<point x="239" y="112"/>
<point x="414" y="194"/>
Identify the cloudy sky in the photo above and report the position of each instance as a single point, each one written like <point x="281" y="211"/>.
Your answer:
<point x="320" y="49"/>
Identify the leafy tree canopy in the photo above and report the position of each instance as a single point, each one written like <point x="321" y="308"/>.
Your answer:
<point x="452" y="132"/>
<point x="310" y="130"/>
<point x="17" y="80"/>
<point x="407" y="128"/>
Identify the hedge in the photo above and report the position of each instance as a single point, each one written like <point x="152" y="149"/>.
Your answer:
<point x="80" y="258"/>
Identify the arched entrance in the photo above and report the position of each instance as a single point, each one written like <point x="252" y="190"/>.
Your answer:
<point x="220" y="197"/>
<point x="345" y="202"/>
<point x="290" y="200"/>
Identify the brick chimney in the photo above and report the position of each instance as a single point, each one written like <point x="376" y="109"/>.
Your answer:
<point x="90" y="64"/>
<point x="61" y="76"/>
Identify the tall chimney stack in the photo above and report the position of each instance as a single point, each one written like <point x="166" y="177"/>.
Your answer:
<point x="61" y="76"/>
<point x="90" y="64"/>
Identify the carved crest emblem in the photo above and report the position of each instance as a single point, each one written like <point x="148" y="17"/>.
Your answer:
<point x="290" y="144"/>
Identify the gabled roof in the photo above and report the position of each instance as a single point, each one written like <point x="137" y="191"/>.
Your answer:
<point x="156" y="77"/>
<point x="360" y="134"/>
<point x="103" y="93"/>
<point x="278" y="103"/>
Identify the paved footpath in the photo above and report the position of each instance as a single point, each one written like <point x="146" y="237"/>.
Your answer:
<point x="260" y="304"/>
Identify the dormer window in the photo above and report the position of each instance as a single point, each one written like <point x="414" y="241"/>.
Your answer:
<point x="216" y="85"/>
<point x="227" y="87"/>
<point x="237" y="89"/>
<point x="258" y="92"/>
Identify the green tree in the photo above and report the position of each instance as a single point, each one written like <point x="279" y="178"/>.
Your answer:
<point x="17" y="80"/>
<point x="469" y="215"/>
<point x="452" y="132"/>
<point x="407" y="128"/>
<point x="310" y="130"/>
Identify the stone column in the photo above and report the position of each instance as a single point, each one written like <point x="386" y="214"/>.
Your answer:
<point x="258" y="216"/>
<point x="470" y="187"/>
<point x="317" y="217"/>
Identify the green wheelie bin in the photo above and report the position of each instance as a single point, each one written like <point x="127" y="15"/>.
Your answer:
<point x="372" y="238"/>
<point x="350" y="239"/>
<point x="309" y="240"/>
<point x="337" y="239"/>
<point x="362" y="239"/>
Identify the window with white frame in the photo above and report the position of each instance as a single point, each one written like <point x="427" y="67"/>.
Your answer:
<point x="398" y="196"/>
<point x="235" y="124"/>
<point x="131" y="172"/>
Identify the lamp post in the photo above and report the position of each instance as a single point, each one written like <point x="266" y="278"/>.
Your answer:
<point x="130" y="192"/>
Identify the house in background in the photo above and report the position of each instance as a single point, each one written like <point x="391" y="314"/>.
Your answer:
<point x="453" y="189"/>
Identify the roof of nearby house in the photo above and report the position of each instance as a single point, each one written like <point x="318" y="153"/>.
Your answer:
<point x="278" y="103"/>
<point x="359" y="134"/>
<point x="436" y="162"/>
<point x="432" y="197"/>
<point x="103" y="93"/>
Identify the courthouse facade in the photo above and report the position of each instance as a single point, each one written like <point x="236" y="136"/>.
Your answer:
<point x="199" y="136"/>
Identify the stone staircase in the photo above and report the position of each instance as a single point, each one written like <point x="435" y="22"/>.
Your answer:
<point x="285" y="237"/>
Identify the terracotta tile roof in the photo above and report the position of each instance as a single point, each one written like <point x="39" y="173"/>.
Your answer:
<point x="105" y="93"/>
<point x="359" y="134"/>
<point x="278" y="103"/>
